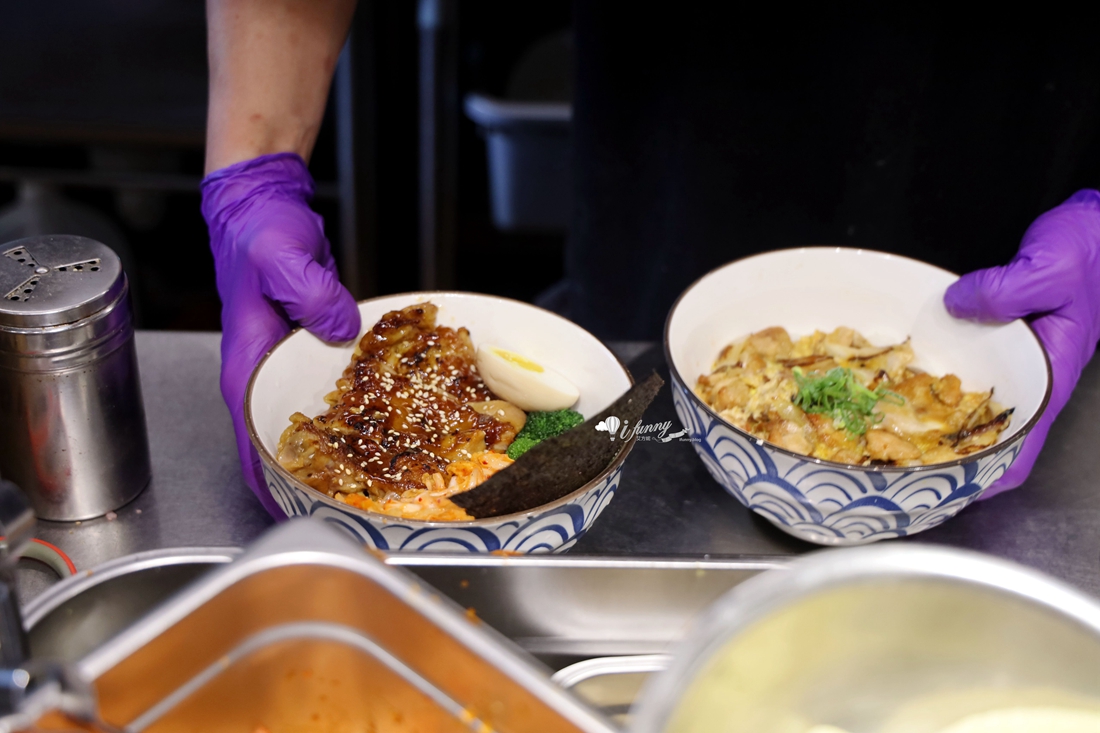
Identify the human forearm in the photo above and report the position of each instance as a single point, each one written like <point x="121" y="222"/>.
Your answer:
<point x="271" y="65"/>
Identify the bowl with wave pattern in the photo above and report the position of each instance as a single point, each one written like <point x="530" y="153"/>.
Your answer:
<point x="301" y="369"/>
<point x="887" y="298"/>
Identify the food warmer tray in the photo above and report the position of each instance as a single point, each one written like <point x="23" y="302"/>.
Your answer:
<point x="307" y="629"/>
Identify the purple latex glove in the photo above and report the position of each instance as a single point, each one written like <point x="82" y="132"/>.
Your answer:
<point x="1054" y="280"/>
<point x="274" y="268"/>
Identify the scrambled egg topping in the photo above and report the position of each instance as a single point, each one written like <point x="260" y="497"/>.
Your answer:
<point x="839" y="398"/>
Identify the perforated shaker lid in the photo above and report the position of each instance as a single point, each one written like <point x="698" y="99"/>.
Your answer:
<point x="56" y="279"/>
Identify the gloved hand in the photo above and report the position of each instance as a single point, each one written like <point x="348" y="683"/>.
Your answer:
<point x="1055" y="280"/>
<point x="274" y="268"/>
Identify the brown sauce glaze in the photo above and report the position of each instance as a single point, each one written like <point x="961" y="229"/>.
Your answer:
<point x="400" y="413"/>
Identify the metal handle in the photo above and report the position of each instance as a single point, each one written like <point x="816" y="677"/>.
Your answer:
<point x="43" y="688"/>
<point x="17" y="528"/>
<point x="29" y="689"/>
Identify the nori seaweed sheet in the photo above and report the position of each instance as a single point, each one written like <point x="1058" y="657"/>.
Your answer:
<point x="558" y="466"/>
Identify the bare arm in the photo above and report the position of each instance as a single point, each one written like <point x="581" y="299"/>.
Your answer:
<point x="271" y="65"/>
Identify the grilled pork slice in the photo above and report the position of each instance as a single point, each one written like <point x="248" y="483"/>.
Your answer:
<point x="409" y="404"/>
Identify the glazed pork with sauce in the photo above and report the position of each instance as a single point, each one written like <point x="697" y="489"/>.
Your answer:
<point x="411" y="423"/>
<point x="840" y="398"/>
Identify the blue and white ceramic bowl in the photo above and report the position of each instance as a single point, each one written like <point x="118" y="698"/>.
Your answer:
<point x="886" y="298"/>
<point x="301" y="369"/>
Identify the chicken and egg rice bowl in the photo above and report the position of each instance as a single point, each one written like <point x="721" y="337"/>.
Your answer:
<point x="839" y="398"/>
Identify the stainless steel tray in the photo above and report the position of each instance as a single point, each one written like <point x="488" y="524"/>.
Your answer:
<point x="306" y="631"/>
<point x="565" y="609"/>
<point x="560" y="609"/>
<point x="72" y="617"/>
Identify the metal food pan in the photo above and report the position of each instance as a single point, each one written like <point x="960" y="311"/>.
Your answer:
<point x="307" y="676"/>
<point x="273" y="639"/>
<point x="563" y="609"/>
<point x="74" y="616"/>
<point x="306" y="631"/>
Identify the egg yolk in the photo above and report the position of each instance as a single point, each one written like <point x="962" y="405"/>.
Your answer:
<point x="519" y="361"/>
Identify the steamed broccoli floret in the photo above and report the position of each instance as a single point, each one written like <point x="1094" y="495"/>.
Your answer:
<point x="521" y="445"/>
<point x="543" y="425"/>
<point x="540" y="426"/>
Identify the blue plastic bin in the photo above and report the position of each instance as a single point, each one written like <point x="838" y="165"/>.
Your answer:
<point x="527" y="147"/>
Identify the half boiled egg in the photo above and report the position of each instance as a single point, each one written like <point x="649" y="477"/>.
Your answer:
<point x="525" y="383"/>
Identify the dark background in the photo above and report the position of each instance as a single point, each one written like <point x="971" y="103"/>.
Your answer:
<point x="93" y="90"/>
<point x="920" y="131"/>
<point x="93" y="86"/>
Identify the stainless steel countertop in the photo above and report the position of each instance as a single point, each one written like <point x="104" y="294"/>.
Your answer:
<point x="666" y="505"/>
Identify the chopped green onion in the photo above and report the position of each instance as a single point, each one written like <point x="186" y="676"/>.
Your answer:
<point x="839" y="395"/>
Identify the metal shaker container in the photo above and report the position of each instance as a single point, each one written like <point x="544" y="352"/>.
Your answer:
<point x="72" y="422"/>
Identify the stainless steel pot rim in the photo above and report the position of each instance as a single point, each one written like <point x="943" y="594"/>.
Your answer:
<point x="824" y="570"/>
<point x="73" y="586"/>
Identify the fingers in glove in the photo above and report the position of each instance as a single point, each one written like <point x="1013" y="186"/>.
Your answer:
<point x="254" y="474"/>
<point x="1061" y="338"/>
<point x="310" y="293"/>
<point x="1020" y="469"/>
<point x="1026" y="285"/>
<point x="249" y="333"/>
